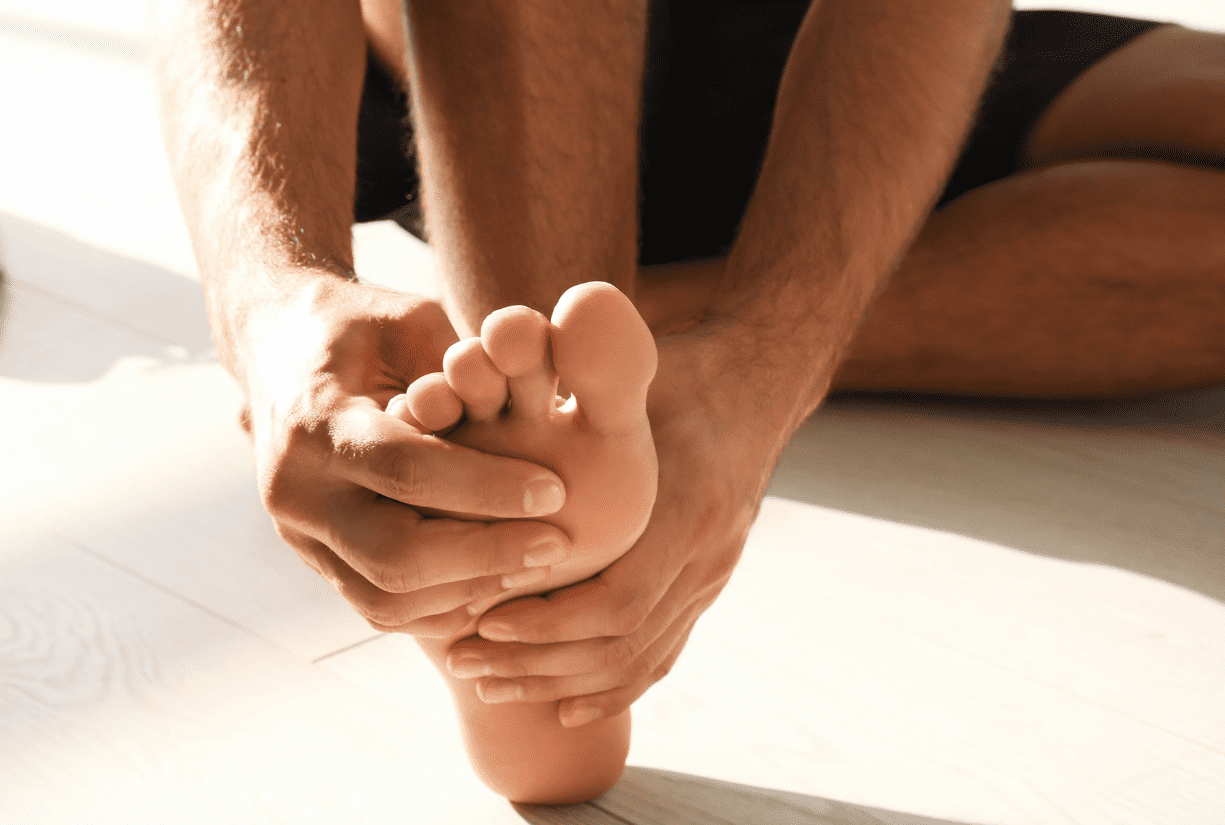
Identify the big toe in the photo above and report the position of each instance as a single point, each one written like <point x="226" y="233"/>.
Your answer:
<point x="517" y="342"/>
<point x="605" y="354"/>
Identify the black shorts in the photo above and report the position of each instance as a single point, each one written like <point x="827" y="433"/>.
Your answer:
<point x="713" y="70"/>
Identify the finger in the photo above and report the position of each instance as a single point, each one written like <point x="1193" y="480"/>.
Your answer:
<point x="399" y="552"/>
<point x="576" y="711"/>
<point x="397" y="407"/>
<point x="381" y="453"/>
<point x="440" y="626"/>
<point x="607" y="688"/>
<point x="475" y="657"/>
<point x="403" y="612"/>
<point x="614" y="602"/>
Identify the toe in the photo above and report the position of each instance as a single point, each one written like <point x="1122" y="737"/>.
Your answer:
<point x="432" y="402"/>
<point x="605" y="355"/>
<point x="517" y="341"/>
<point x="475" y="379"/>
<point x="397" y="407"/>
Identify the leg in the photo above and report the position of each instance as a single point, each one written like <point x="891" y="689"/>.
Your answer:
<point x="1076" y="277"/>
<point x="600" y="443"/>
<point x="1089" y="279"/>
<point x="526" y="116"/>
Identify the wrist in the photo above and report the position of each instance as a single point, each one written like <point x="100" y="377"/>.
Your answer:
<point x="717" y="386"/>
<point x="769" y="367"/>
<point x="242" y="303"/>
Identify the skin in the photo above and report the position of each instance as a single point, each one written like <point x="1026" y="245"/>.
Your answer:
<point x="268" y="199"/>
<point x="765" y="327"/>
<point x="777" y="323"/>
<point x="600" y="442"/>
<point x="513" y="144"/>
<point x="1015" y="289"/>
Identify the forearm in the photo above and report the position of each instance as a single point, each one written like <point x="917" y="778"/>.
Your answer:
<point x="259" y="105"/>
<point x="526" y="114"/>
<point x="873" y="107"/>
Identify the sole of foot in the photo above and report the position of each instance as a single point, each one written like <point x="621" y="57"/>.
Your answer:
<point x="501" y="391"/>
<point x="501" y="388"/>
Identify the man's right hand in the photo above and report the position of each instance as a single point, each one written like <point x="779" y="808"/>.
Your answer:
<point x="341" y="477"/>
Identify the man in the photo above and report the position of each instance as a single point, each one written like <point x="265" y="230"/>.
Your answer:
<point x="1083" y="258"/>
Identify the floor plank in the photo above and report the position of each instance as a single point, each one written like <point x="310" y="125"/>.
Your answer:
<point x="120" y="703"/>
<point x="1028" y="628"/>
<point x="1127" y="485"/>
<point x="86" y="156"/>
<point x="859" y="662"/>
<point x="127" y="446"/>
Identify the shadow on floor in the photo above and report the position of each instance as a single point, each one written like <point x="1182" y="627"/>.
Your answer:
<point x="1130" y="484"/>
<point x="649" y="796"/>
<point x="71" y="310"/>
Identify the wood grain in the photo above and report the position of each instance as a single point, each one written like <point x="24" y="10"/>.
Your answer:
<point x="136" y="453"/>
<point x="949" y="612"/>
<point x="120" y="703"/>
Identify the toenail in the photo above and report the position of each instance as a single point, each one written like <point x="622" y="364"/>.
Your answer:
<point x="524" y="577"/>
<point x="543" y="497"/>
<point x="470" y="666"/>
<point x="504" y="692"/>
<point x="546" y="553"/>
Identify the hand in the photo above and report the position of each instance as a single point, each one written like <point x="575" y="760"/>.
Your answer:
<point x="341" y="477"/>
<point x="601" y="643"/>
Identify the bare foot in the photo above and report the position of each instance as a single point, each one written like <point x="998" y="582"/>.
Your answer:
<point x="599" y="442"/>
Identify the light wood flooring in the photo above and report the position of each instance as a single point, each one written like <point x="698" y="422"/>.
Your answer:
<point x="947" y="612"/>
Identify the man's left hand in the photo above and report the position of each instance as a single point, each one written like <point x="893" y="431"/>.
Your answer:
<point x="601" y="643"/>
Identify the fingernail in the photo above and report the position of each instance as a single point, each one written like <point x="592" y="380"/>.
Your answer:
<point x="469" y="666"/>
<point x="543" y="497"/>
<point x="503" y="692"/>
<point x="524" y="577"/>
<point x="497" y="633"/>
<point x="546" y="553"/>
<point x="581" y="715"/>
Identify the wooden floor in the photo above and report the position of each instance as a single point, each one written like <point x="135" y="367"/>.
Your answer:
<point x="946" y="613"/>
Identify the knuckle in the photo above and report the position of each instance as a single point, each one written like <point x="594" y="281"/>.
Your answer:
<point x="377" y="609"/>
<point x="404" y="479"/>
<point x="727" y="559"/>
<point x="402" y="576"/>
<point x="619" y="654"/>
<point x="509" y="667"/>
<point x="664" y="668"/>
<point x="505" y="542"/>
<point x="635" y="673"/>
<point x="628" y="616"/>
<point x="277" y="456"/>
<point x="482" y="592"/>
<point x="275" y="488"/>
<point x="381" y="616"/>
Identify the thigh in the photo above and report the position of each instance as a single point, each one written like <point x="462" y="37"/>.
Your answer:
<point x="1046" y="52"/>
<point x="1162" y="96"/>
